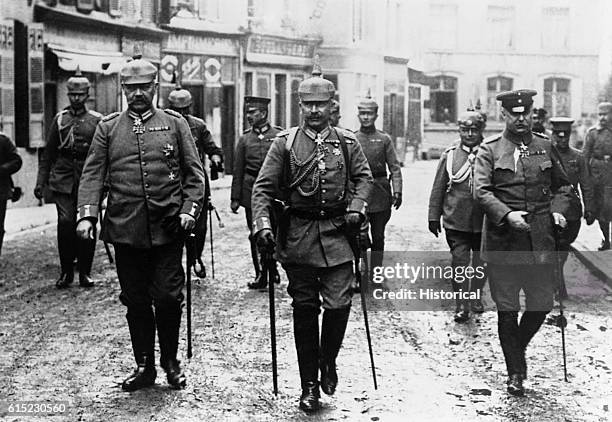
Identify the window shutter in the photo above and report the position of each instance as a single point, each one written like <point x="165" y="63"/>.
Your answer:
<point x="114" y="8"/>
<point x="7" y="83"/>
<point x="36" y="82"/>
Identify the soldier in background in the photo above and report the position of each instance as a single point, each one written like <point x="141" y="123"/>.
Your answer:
<point x="334" y="117"/>
<point x="539" y="120"/>
<point x="180" y="100"/>
<point x="524" y="191"/>
<point x="380" y="152"/>
<point x="155" y="193"/>
<point x="251" y="151"/>
<point x="310" y="168"/>
<point x="10" y="163"/>
<point x="452" y="198"/>
<point x="598" y="157"/>
<point x="60" y="168"/>
<point x="578" y="174"/>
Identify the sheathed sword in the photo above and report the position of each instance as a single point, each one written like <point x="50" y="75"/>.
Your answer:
<point x="267" y="268"/>
<point x="561" y="321"/>
<point x="191" y="257"/>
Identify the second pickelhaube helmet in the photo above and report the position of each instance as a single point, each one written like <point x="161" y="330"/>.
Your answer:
<point x="179" y="97"/>
<point x="316" y="88"/>
<point x="138" y="70"/>
<point x="367" y="103"/>
<point x="470" y="119"/>
<point x="78" y="84"/>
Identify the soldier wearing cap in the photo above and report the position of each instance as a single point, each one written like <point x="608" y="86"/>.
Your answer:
<point x="598" y="156"/>
<point x="149" y="161"/>
<point x="334" y="116"/>
<point x="524" y="191"/>
<point x="251" y="150"/>
<point x="309" y="168"/>
<point x="452" y="198"/>
<point x="380" y="152"/>
<point x="180" y="100"/>
<point x="539" y="120"/>
<point x="60" y="168"/>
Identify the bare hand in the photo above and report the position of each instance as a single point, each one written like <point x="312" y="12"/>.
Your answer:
<point x="215" y="159"/>
<point x="187" y="222"/>
<point x="85" y="230"/>
<point x="517" y="222"/>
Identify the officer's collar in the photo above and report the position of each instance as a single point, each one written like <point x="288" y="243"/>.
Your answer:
<point x="517" y="138"/>
<point x="78" y="112"/>
<point x="369" y="130"/>
<point x="312" y="134"/>
<point x="468" y="149"/>
<point x="262" y="128"/>
<point x="144" y="116"/>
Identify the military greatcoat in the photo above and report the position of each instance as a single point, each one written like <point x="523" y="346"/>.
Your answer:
<point x="153" y="171"/>
<point x="597" y="152"/>
<point x="378" y="149"/>
<point x="520" y="173"/>
<point x="319" y="242"/>
<point x="251" y="151"/>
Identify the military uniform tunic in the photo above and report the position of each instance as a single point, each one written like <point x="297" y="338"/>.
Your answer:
<point x="598" y="157"/>
<point x="378" y="149"/>
<point x="313" y="242"/>
<point x="251" y="151"/>
<point x="153" y="171"/>
<point x="68" y="141"/>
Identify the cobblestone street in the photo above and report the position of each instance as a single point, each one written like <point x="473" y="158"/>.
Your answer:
<point x="73" y="345"/>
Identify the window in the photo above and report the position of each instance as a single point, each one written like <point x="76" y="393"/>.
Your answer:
<point x="443" y="99"/>
<point x="280" y="100"/>
<point x="248" y="83"/>
<point x="500" y="27"/>
<point x="295" y="107"/>
<point x="555" y="28"/>
<point x="443" y="26"/>
<point x="262" y="87"/>
<point x="495" y="85"/>
<point x="557" y="96"/>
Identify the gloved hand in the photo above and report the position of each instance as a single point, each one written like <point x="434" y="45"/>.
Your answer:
<point x="517" y="221"/>
<point x="559" y="220"/>
<point x="234" y="205"/>
<point x="353" y="220"/>
<point x="187" y="222"/>
<point x="216" y="160"/>
<point x="38" y="191"/>
<point x="171" y="224"/>
<point x="589" y="217"/>
<point x="85" y="229"/>
<point x="364" y="240"/>
<point x="397" y="199"/>
<point x="434" y="227"/>
<point x="265" y="241"/>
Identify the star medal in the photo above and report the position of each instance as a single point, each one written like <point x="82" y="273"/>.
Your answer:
<point x="336" y="151"/>
<point x="138" y="127"/>
<point x="322" y="165"/>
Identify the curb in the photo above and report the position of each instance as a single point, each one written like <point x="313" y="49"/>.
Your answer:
<point x="598" y="262"/>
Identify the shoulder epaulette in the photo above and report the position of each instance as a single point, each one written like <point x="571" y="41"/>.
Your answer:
<point x="541" y="135"/>
<point x="173" y="113"/>
<point x="244" y="132"/>
<point x="593" y="128"/>
<point x="348" y="135"/>
<point x="278" y="127"/>
<point x="284" y="132"/>
<point x="95" y="113"/>
<point x="492" y="138"/>
<point x="453" y="146"/>
<point x="110" y="116"/>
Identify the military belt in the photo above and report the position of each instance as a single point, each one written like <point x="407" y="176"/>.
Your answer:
<point x="318" y="214"/>
<point x="380" y="174"/>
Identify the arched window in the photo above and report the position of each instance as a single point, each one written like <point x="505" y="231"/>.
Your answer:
<point x="495" y="85"/>
<point x="557" y="97"/>
<point x="443" y="98"/>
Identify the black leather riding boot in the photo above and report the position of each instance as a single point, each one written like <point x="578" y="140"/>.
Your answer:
<point x="306" y="333"/>
<point x="509" y="337"/>
<point x="531" y="321"/>
<point x="333" y="328"/>
<point x="142" y="334"/>
<point x="168" y="320"/>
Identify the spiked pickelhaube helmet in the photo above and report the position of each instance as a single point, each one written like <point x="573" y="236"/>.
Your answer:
<point x="138" y="70"/>
<point x="367" y="103"/>
<point x="316" y="88"/>
<point x="78" y="84"/>
<point x="179" y="97"/>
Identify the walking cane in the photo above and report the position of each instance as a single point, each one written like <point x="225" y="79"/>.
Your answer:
<point x="357" y="252"/>
<point x="212" y="247"/>
<point x="266" y="263"/>
<point x="561" y="321"/>
<point x="190" y="246"/>
<point x="109" y="254"/>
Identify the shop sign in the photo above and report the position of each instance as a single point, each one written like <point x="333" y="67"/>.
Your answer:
<point x="278" y="50"/>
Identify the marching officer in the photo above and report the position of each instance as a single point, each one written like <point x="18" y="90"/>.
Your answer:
<point x="251" y="150"/>
<point x="10" y="163"/>
<point x="155" y="194"/>
<point x="310" y="167"/>
<point x="60" y="167"/>
<point x="578" y="174"/>
<point x="452" y="198"/>
<point x="524" y="191"/>
<point x="334" y="117"/>
<point x="598" y="156"/>
<point x="380" y="152"/>
<point x="180" y="100"/>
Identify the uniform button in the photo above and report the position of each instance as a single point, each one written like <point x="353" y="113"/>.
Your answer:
<point x="323" y="181"/>
<point x="324" y="190"/>
<point x="323" y="201"/>
<point x="146" y="173"/>
<point x="148" y="196"/>
<point x="143" y="163"/>
<point x="146" y="185"/>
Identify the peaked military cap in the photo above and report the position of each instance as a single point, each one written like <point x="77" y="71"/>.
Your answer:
<point x="251" y="101"/>
<point x="367" y="103"/>
<point x="316" y="88"/>
<point x="138" y="70"/>
<point x="78" y="84"/>
<point x="562" y="126"/>
<point x="516" y="101"/>
<point x="470" y="119"/>
<point x="605" y="107"/>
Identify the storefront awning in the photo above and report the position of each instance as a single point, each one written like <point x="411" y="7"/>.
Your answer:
<point x="89" y="61"/>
